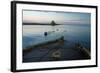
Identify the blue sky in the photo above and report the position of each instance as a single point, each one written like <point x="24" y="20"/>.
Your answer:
<point x="58" y="17"/>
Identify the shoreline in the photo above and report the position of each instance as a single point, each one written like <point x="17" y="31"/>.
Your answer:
<point x="46" y="44"/>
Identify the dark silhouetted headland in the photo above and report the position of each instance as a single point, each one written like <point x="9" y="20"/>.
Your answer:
<point x="53" y="23"/>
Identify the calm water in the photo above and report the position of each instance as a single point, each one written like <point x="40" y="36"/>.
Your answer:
<point x="74" y="33"/>
<point x="34" y="34"/>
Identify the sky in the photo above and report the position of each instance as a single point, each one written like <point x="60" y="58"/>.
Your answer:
<point x="31" y="16"/>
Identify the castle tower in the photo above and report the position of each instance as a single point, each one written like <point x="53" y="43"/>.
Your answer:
<point x="53" y="23"/>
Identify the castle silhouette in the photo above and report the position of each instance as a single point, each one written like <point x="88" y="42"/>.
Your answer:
<point x="53" y="23"/>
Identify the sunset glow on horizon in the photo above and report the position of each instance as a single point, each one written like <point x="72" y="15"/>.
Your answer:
<point x="58" y="17"/>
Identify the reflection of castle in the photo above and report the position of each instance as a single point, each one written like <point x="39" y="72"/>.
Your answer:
<point x="53" y="28"/>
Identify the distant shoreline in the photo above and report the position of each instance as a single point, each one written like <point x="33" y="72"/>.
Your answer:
<point x="38" y="24"/>
<point x="55" y="24"/>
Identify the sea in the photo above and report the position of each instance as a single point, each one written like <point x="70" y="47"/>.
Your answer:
<point x="73" y="33"/>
